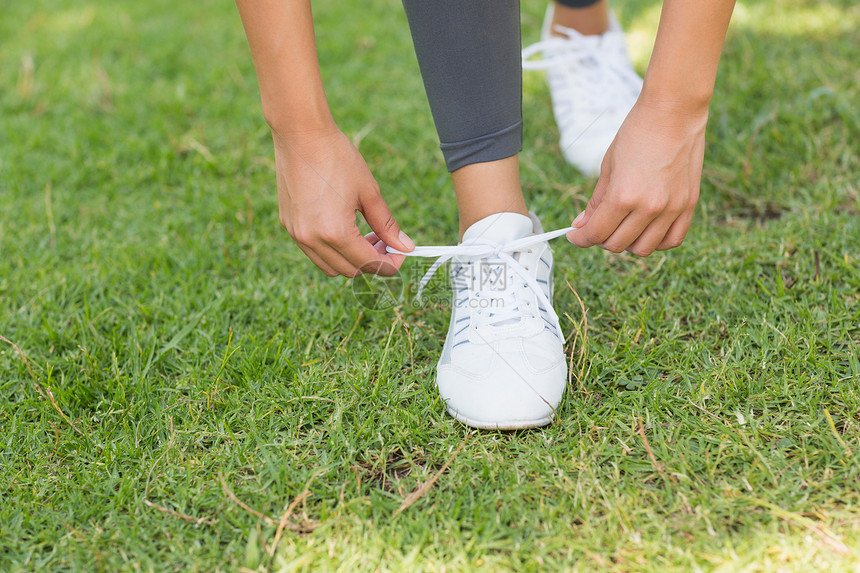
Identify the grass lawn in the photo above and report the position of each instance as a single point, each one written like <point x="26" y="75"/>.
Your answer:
<point x="181" y="390"/>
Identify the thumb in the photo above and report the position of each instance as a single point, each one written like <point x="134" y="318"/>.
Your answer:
<point x="582" y="219"/>
<point x="379" y="217"/>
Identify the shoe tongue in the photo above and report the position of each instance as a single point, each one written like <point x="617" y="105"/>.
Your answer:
<point x="499" y="228"/>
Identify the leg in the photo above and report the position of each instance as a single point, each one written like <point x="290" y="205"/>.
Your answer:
<point x="502" y="365"/>
<point x="469" y="54"/>
<point x="484" y="189"/>
<point x="588" y="17"/>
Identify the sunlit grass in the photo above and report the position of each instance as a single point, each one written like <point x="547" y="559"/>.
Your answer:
<point x="789" y="18"/>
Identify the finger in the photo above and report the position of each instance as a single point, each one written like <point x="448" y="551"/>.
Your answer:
<point x="627" y="232"/>
<point x="382" y="248"/>
<point x="596" y="199"/>
<point x="647" y="241"/>
<point x="377" y="243"/>
<point x="357" y="251"/>
<point x="337" y="261"/>
<point x="315" y="259"/>
<point x="600" y="226"/>
<point x="379" y="268"/>
<point x="379" y="217"/>
<point x="316" y="243"/>
<point x="632" y="228"/>
<point x="677" y="232"/>
<point x="372" y="238"/>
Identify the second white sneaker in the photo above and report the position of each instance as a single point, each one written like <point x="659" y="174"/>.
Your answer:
<point x="592" y="84"/>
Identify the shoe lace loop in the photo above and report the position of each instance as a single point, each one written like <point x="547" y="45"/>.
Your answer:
<point x="491" y="251"/>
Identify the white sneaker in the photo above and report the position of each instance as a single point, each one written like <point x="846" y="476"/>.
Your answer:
<point x="502" y="366"/>
<point x="593" y="87"/>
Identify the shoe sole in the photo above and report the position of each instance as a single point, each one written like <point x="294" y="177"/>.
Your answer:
<point x="512" y="425"/>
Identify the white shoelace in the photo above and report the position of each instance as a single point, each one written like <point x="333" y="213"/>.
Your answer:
<point x="486" y="249"/>
<point x="574" y="47"/>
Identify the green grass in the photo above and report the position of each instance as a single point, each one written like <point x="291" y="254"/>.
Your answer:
<point x="183" y="337"/>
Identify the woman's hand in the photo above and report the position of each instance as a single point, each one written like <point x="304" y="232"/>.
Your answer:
<point x="649" y="182"/>
<point x="322" y="181"/>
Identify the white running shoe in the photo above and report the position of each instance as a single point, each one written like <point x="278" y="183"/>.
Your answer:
<point x="593" y="87"/>
<point x="502" y="366"/>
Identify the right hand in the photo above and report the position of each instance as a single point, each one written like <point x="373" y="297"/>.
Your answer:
<point x="322" y="181"/>
<point x="649" y="182"/>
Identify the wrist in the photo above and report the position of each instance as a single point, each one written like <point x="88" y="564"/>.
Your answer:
<point x="307" y="137"/>
<point x="686" y="102"/>
<point x="288" y="123"/>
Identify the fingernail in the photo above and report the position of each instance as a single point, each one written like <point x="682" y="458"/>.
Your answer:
<point x="578" y="219"/>
<point x="409" y="243"/>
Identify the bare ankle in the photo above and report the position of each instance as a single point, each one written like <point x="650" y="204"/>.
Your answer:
<point x="484" y="189"/>
<point x="588" y="21"/>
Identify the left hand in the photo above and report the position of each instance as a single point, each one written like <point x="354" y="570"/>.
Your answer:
<point x="649" y="182"/>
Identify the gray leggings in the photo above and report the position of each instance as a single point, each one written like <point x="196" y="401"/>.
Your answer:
<point x="469" y="55"/>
